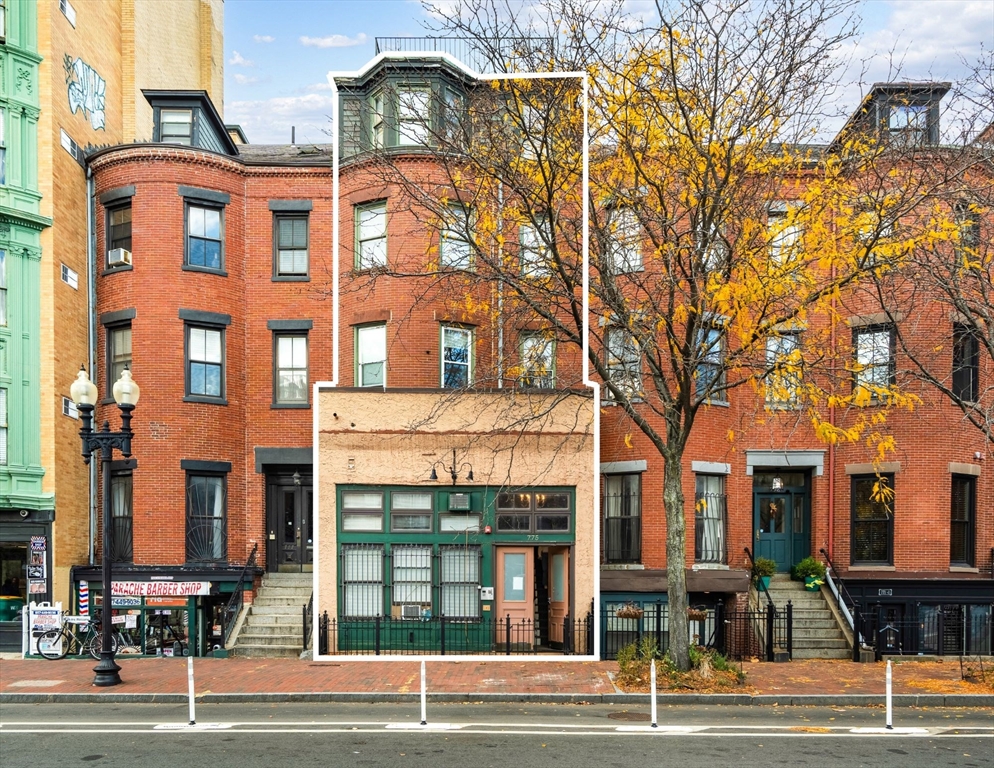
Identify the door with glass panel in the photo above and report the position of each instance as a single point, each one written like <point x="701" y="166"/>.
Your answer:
<point x="290" y="517"/>
<point x="515" y="592"/>
<point x="558" y="593"/>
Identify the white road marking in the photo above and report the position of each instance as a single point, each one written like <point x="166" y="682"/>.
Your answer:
<point x="888" y="730"/>
<point x="192" y="726"/>
<point x="425" y="727"/>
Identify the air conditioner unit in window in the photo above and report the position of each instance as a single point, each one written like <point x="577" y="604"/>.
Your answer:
<point x="118" y="256"/>
<point x="459" y="502"/>
<point x="410" y="612"/>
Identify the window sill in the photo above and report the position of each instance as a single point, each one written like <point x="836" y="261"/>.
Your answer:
<point x="709" y="567"/>
<point x="717" y="403"/>
<point x="884" y="568"/>
<point x="208" y="270"/>
<point x="963" y="569"/>
<point x="205" y="399"/>
<point x="112" y="270"/>
<point x="291" y="278"/>
<point x="290" y="406"/>
<point x="622" y="567"/>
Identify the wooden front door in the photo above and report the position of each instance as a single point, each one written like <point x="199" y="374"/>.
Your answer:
<point x="289" y="519"/>
<point x="558" y="593"/>
<point x="515" y="593"/>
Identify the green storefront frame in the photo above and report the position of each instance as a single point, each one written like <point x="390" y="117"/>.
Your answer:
<point x="477" y="630"/>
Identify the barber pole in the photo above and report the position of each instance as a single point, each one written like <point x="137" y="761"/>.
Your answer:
<point x="84" y="598"/>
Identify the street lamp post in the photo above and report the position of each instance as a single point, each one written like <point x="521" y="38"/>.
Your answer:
<point x="84" y="394"/>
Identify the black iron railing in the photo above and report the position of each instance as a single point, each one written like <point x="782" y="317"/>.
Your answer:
<point x="234" y="606"/>
<point x="384" y="635"/>
<point x="760" y="583"/>
<point x="482" y="56"/>
<point x="308" y="621"/>
<point x="623" y="539"/>
<point x="736" y="634"/>
<point x="948" y="630"/>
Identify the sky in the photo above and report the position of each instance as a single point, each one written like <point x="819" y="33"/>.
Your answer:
<point x="278" y="52"/>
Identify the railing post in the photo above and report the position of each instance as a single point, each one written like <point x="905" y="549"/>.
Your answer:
<point x="376" y="636"/>
<point x="790" y="630"/>
<point x="770" y="624"/>
<point x="719" y="627"/>
<point x="857" y="628"/>
<point x="507" y="633"/>
<point x="567" y="635"/>
<point x="441" y="629"/>
<point x="940" y="635"/>
<point x="659" y="625"/>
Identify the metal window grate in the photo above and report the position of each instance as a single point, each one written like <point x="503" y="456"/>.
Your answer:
<point x="362" y="580"/>
<point x="460" y="582"/>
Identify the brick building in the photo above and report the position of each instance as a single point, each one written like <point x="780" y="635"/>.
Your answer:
<point x="227" y="307"/>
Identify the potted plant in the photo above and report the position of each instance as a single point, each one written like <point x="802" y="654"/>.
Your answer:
<point x="762" y="569"/>
<point x="813" y="573"/>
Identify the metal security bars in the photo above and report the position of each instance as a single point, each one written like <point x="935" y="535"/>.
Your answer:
<point x="623" y="518"/>
<point x="411" y="581"/>
<point x="206" y="518"/>
<point x="710" y="524"/>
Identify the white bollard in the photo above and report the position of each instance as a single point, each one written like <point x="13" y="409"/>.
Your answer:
<point x="652" y="679"/>
<point x="424" y="700"/>
<point x="890" y="721"/>
<point x="189" y="681"/>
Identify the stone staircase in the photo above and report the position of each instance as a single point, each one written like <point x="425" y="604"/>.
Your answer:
<point x="817" y="634"/>
<point x="274" y="626"/>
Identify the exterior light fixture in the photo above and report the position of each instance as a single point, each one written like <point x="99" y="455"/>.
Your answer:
<point x="777" y="483"/>
<point x="453" y="470"/>
<point x="104" y="441"/>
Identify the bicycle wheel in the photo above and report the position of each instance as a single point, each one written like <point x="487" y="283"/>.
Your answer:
<point x="53" y="644"/>
<point x="94" y="644"/>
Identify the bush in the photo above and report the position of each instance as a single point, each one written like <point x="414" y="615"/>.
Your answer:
<point x="809" y="566"/>
<point x="763" y="566"/>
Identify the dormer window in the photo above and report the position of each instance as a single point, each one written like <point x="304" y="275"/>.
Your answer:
<point x="909" y="121"/>
<point x="176" y="126"/>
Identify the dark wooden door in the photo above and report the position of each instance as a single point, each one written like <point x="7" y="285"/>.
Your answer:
<point x="289" y="522"/>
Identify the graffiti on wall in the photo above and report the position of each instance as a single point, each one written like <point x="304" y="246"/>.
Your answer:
<point x="87" y="91"/>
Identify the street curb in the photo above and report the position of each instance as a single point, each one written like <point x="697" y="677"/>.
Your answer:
<point x="626" y="699"/>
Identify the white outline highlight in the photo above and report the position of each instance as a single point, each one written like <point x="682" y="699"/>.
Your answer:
<point x="587" y="381"/>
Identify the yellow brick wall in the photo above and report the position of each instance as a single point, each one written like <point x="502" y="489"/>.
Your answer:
<point x="132" y="44"/>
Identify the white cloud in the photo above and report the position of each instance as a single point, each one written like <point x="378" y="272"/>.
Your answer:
<point x="319" y="87"/>
<point x="334" y="41"/>
<point x="245" y="79"/>
<point x="268" y="121"/>
<point x="238" y="60"/>
<point x="263" y="38"/>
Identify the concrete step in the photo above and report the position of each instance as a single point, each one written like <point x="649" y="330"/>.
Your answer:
<point x="288" y="580"/>
<point x="823" y="625"/>
<point x="273" y="619"/>
<point x="250" y="630"/>
<point x="302" y="593"/>
<point x="821" y="653"/>
<point x="267" y="598"/>
<point x="809" y="633"/>
<point x="247" y="638"/>
<point x="277" y="610"/>
<point x="821" y="642"/>
<point x="267" y="651"/>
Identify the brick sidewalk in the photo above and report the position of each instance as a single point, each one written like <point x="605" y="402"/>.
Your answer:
<point x="251" y="676"/>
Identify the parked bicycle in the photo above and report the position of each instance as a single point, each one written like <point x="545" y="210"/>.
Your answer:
<point x="77" y="637"/>
<point x="161" y="634"/>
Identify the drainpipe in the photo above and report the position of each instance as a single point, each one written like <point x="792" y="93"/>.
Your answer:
<point x="831" y="446"/>
<point x="500" y="286"/>
<point x="91" y="309"/>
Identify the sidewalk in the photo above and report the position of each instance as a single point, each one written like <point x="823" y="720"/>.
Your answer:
<point x="231" y="680"/>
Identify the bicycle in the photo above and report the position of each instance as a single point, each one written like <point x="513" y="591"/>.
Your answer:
<point x="77" y="636"/>
<point x="162" y="636"/>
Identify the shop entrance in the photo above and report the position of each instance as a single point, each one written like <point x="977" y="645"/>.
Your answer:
<point x="289" y="520"/>
<point x="533" y="588"/>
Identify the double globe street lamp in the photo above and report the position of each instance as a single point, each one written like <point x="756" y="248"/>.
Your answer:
<point x="84" y="395"/>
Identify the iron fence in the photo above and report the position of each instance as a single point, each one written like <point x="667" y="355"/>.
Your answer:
<point x="385" y="635"/>
<point x="947" y="630"/>
<point x="736" y="634"/>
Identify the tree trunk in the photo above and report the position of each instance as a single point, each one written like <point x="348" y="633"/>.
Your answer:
<point x="676" y="562"/>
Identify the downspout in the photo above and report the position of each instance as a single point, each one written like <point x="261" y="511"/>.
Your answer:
<point x="831" y="445"/>
<point x="91" y="327"/>
<point x="500" y="286"/>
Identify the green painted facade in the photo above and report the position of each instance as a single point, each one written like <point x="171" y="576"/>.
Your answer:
<point x="383" y="528"/>
<point x="20" y="243"/>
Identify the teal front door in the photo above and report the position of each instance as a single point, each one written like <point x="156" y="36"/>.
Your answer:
<point x="772" y="520"/>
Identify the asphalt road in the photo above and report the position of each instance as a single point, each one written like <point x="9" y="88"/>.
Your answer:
<point x="479" y="735"/>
